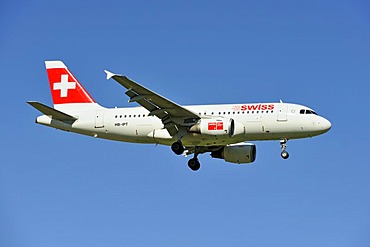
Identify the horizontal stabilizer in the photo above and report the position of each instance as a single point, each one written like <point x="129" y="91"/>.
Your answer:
<point x="55" y="114"/>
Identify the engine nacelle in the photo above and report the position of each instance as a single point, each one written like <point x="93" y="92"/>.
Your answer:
<point x="236" y="153"/>
<point x="219" y="126"/>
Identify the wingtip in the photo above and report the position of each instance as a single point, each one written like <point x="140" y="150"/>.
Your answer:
<point x="109" y="74"/>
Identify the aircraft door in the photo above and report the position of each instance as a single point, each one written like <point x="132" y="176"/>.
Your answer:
<point x="99" y="119"/>
<point x="282" y="112"/>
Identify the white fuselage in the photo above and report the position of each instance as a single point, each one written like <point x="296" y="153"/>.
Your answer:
<point x="265" y="121"/>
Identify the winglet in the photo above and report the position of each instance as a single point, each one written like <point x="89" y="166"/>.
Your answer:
<point x="109" y="74"/>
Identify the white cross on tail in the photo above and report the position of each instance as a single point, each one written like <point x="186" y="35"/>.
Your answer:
<point x="64" y="85"/>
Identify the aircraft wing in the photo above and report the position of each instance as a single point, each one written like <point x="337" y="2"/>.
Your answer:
<point x="173" y="116"/>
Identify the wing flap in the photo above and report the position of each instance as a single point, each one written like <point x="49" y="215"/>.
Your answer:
<point x="55" y="114"/>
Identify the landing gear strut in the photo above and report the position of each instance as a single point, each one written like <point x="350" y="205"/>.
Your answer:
<point x="284" y="154"/>
<point x="194" y="163"/>
<point x="177" y="147"/>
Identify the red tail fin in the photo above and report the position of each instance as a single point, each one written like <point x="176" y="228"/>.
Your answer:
<point x="65" y="88"/>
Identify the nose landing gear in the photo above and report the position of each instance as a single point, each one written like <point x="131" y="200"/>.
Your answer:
<point x="284" y="154"/>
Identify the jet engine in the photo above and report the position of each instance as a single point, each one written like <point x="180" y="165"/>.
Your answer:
<point x="219" y="126"/>
<point x="236" y="153"/>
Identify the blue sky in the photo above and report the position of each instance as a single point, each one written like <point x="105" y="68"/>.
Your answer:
<point x="63" y="189"/>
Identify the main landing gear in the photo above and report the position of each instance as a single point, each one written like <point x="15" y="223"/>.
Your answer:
<point x="193" y="163"/>
<point x="177" y="147"/>
<point x="284" y="154"/>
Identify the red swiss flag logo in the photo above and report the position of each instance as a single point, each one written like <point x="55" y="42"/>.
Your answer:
<point x="65" y="88"/>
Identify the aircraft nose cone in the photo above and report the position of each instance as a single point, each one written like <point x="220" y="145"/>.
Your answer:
<point x="326" y="125"/>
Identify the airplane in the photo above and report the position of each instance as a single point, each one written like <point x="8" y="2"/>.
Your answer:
<point x="222" y="130"/>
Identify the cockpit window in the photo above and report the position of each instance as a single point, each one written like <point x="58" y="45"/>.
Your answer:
<point x="303" y="111"/>
<point x="310" y="112"/>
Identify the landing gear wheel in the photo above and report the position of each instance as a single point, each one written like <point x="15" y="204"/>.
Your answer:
<point x="194" y="164"/>
<point x="177" y="147"/>
<point x="284" y="154"/>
